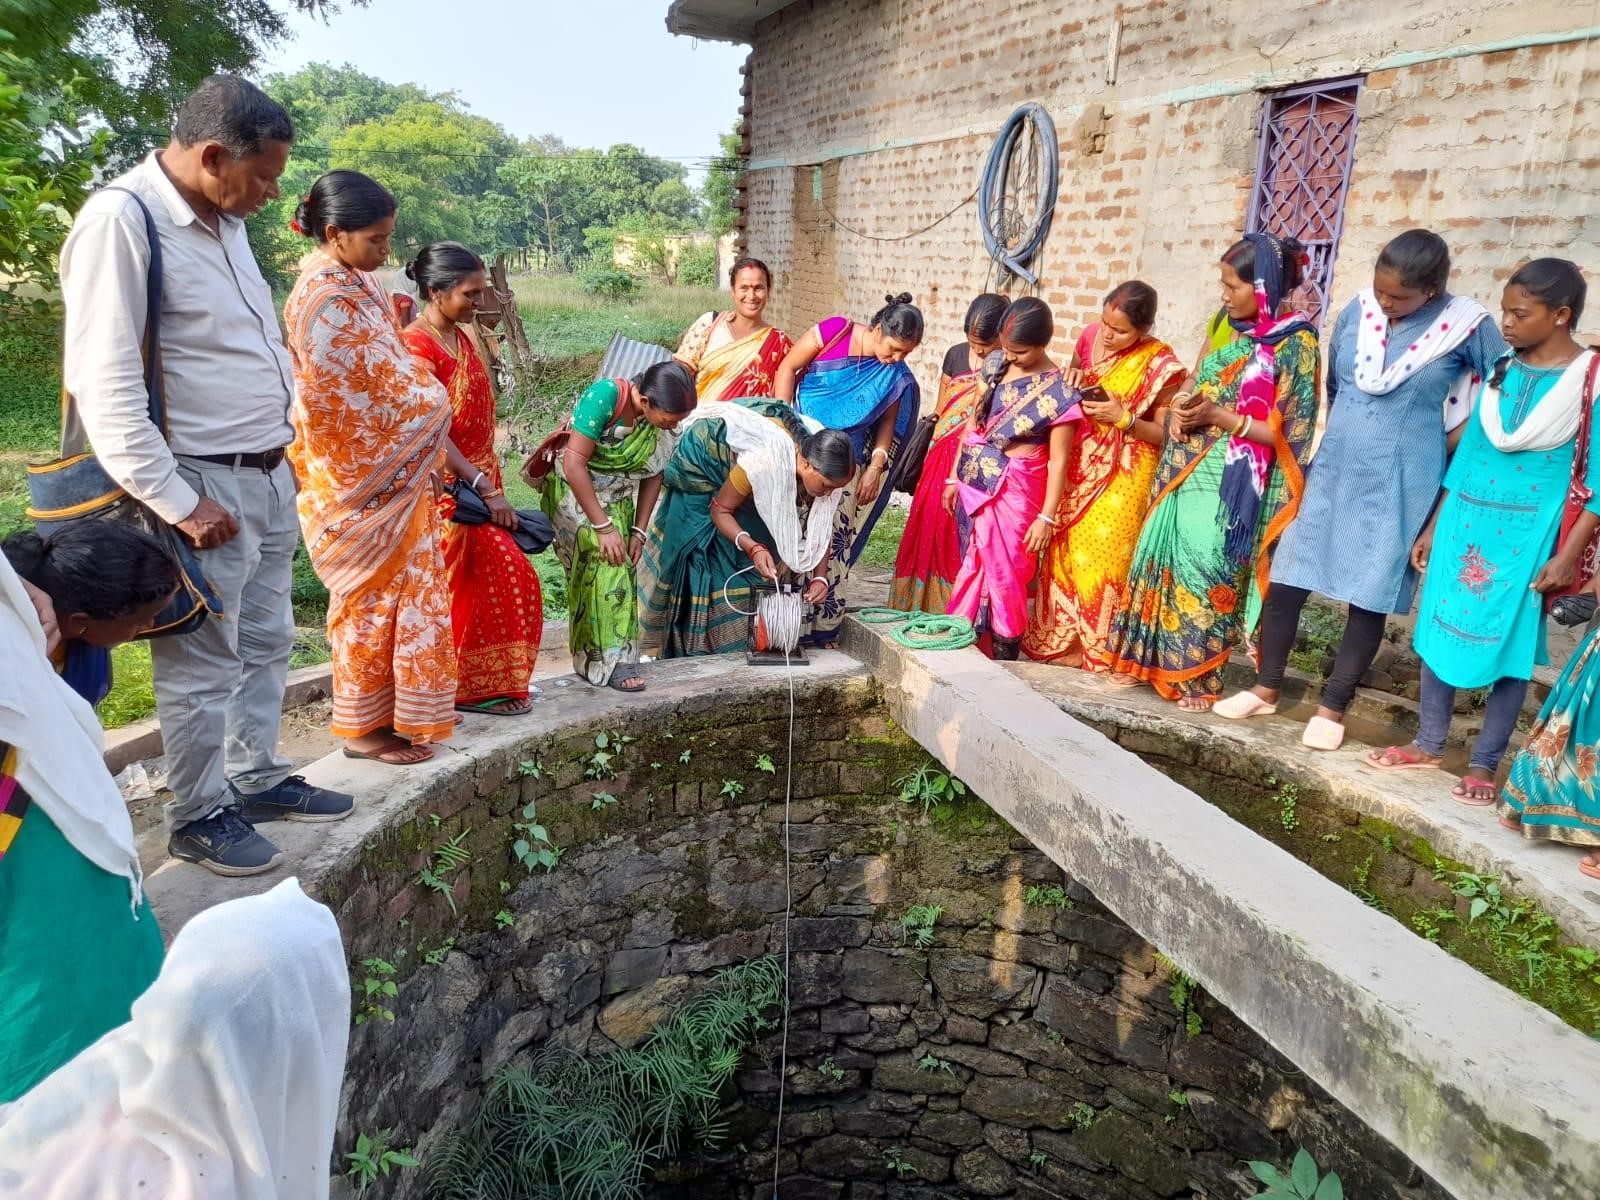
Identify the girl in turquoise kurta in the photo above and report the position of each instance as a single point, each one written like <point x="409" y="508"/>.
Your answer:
<point x="1494" y="544"/>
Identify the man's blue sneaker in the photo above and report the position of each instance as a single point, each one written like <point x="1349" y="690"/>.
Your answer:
<point x="295" y="800"/>
<point x="224" y="844"/>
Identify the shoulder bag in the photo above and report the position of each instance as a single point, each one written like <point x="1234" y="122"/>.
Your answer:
<point x="1578" y="493"/>
<point x="75" y="487"/>
<point x="542" y="461"/>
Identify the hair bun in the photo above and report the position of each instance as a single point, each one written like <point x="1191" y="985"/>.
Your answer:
<point x="302" y="223"/>
<point x="902" y="298"/>
<point x="411" y="270"/>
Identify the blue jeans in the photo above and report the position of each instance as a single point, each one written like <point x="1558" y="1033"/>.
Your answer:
<point x="1499" y="718"/>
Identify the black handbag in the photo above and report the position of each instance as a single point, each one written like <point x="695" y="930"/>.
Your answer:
<point x="908" y="471"/>
<point x="533" y="533"/>
<point x="75" y="487"/>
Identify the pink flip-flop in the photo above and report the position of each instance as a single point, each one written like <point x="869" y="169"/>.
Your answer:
<point x="1589" y="864"/>
<point x="1410" y="760"/>
<point x="1462" y="792"/>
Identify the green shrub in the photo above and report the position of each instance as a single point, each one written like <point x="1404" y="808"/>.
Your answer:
<point x="30" y="385"/>
<point x="613" y="283"/>
<point x="697" y="266"/>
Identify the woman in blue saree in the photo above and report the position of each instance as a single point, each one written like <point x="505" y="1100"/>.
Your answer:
<point x="751" y="490"/>
<point x="853" y="377"/>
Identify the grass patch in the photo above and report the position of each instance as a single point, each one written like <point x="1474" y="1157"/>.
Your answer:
<point x="132" y="696"/>
<point x="30" y="381"/>
<point x="884" y="543"/>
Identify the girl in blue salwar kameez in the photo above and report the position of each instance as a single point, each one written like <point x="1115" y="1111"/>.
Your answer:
<point x="1496" y="547"/>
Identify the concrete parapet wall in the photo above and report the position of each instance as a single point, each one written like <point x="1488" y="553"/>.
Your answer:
<point x="1493" y="1097"/>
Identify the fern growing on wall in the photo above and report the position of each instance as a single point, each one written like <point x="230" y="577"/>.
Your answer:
<point x="586" y="1128"/>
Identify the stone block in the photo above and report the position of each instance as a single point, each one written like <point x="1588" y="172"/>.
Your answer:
<point x="801" y="1188"/>
<point x="797" y="1126"/>
<point x="962" y="1028"/>
<point x="630" y="969"/>
<point x="861" y="1120"/>
<point x="1243" y="1135"/>
<point x="959" y="1130"/>
<point x="650" y="928"/>
<point x="844" y="1020"/>
<point x="981" y="1172"/>
<point x="519" y="1033"/>
<point x="900" y="1073"/>
<point x="1009" y="1142"/>
<point x="828" y="933"/>
<point x="982" y="1060"/>
<point x="1024" y="1103"/>
<point x="978" y="986"/>
<point x="879" y="976"/>
<point x="814" y="979"/>
<point x="1135" y="1152"/>
<point x="630" y="1019"/>
<point x="840" y="1156"/>
<point x="1126" y="1034"/>
<point x="720" y="951"/>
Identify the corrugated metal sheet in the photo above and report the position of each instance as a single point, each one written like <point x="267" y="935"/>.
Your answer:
<point x="625" y="358"/>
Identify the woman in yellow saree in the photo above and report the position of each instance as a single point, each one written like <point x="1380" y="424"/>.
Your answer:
<point x="1084" y="576"/>
<point x="370" y="432"/>
<point x="736" y="354"/>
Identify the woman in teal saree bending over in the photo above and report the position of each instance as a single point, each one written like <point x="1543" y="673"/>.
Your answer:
<point x="853" y="378"/>
<point x="751" y="489"/>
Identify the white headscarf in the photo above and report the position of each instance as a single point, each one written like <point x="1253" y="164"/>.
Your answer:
<point x="766" y="453"/>
<point x="1452" y="325"/>
<point x="59" y="742"/>
<point x="224" y="1083"/>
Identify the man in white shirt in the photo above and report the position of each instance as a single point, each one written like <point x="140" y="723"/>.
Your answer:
<point x="219" y="475"/>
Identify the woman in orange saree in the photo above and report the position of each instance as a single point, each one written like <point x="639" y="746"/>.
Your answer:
<point x="736" y="354"/>
<point x="1083" y="579"/>
<point x="930" y="549"/>
<point x="370" y="432"/>
<point x="496" y="605"/>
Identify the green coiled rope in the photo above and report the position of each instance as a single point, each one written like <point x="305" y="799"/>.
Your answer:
<point x="922" y="631"/>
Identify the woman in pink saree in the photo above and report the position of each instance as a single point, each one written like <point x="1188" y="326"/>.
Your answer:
<point x="1010" y="475"/>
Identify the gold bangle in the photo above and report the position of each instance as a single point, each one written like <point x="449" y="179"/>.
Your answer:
<point x="1128" y="421"/>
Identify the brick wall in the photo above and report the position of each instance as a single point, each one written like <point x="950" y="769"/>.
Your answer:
<point x="898" y="102"/>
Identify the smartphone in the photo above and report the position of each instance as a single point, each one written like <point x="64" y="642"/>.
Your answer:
<point x="1094" y="394"/>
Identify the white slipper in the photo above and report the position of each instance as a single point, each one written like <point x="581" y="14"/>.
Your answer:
<point x="1242" y="705"/>
<point x="1323" y="734"/>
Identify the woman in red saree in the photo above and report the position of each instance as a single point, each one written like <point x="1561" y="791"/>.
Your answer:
<point x="736" y="354"/>
<point x="496" y="606"/>
<point x="930" y="549"/>
<point x="371" y="428"/>
<point x="1083" y="579"/>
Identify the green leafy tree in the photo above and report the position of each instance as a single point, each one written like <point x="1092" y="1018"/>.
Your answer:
<point x="139" y="58"/>
<point x="722" y="184"/>
<point x="45" y="169"/>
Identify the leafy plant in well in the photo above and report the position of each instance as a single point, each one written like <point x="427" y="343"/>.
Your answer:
<point x="765" y="765"/>
<point x="1183" y="989"/>
<point x="504" y="919"/>
<point x="576" y="1126"/>
<point x="1037" y="1160"/>
<point x="374" y="991"/>
<point x="829" y="1069"/>
<point x="438" y="954"/>
<point x="929" y="1062"/>
<point x="443" y="863"/>
<point x="731" y="788"/>
<point x="917" y="923"/>
<point x="531" y="768"/>
<point x="1305" y="1180"/>
<point x="599" y="765"/>
<point x="895" y="1161"/>
<point x="1053" y="896"/>
<point x="600" y="800"/>
<point x="1081" y="1115"/>
<point x="373" y="1158"/>
<point x="533" y="847"/>
<point x="930" y="785"/>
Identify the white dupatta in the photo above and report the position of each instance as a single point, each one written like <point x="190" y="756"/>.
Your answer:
<point x="766" y="452"/>
<point x="1554" y="419"/>
<point x="223" y="1084"/>
<point x="1454" y="324"/>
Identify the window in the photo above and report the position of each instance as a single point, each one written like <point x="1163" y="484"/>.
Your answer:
<point x="1306" y="148"/>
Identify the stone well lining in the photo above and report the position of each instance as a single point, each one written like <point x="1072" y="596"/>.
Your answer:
<point x="1493" y="1097"/>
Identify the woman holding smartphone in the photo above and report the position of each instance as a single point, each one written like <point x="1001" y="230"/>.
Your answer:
<point x="1128" y="379"/>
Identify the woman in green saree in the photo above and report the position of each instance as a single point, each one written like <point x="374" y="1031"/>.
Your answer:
<point x="606" y="481"/>
<point x="752" y="488"/>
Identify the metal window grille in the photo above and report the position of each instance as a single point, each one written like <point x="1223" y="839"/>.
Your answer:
<point x="1306" y="148"/>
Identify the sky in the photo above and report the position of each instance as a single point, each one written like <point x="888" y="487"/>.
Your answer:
<point x="592" y="72"/>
